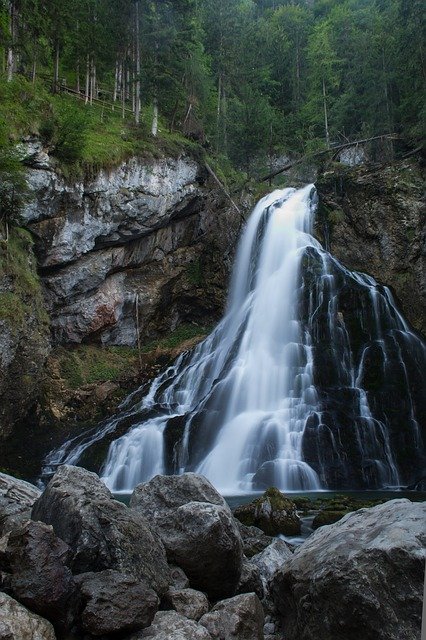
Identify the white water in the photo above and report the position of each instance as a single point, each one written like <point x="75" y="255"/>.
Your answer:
<point x="252" y="378"/>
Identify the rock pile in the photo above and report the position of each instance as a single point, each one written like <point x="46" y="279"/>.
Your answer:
<point x="176" y="565"/>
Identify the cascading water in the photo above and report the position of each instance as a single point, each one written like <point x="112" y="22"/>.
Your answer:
<point x="291" y="387"/>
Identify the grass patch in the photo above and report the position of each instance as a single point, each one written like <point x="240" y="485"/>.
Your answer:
<point x="180" y="335"/>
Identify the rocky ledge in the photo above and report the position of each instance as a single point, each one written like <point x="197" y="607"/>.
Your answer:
<point x="174" y="565"/>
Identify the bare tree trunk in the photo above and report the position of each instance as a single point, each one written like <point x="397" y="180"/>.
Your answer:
<point x="218" y="112"/>
<point x="138" y="67"/>
<point x="116" y="81"/>
<point x="87" y="78"/>
<point x="77" y="86"/>
<point x="34" y="70"/>
<point x="154" y="128"/>
<point x="10" y="64"/>
<point x="327" y="133"/>
<point x="56" y="69"/>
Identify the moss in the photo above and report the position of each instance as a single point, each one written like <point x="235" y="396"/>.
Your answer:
<point x="327" y="517"/>
<point x="195" y="272"/>
<point x="183" y="333"/>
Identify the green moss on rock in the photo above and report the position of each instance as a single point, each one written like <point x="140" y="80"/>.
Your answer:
<point x="273" y="512"/>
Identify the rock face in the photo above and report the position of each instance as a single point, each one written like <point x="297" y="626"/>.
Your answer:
<point x="197" y="529"/>
<point x="115" y="603"/>
<point x="361" y="577"/>
<point x="102" y="533"/>
<point x="40" y="577"/>
<point x="273" y="513"/>
<point x="238" y="618"/>
<point x="188" y="602"/>
<point x="274" y="557"/>
<point x="17" y="623"/>
<point x="16" y="500"/>
<point x="141" y="234"/>
<point x="374" y="217"/>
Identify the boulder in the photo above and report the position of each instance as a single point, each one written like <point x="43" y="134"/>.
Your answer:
<point x="250" y="581"/>
<point x="188" y="602"/>
<point x="40" y="578"/>
<point x="115" y="603"/>
<point x="237" y="618"/>
<point x="16" y="500"/>
<point x="361" y="577"/>
<point x="254" y="540"/>
<point x="271" y="559"/>
<point x="170" y="625"/>
<point x="179" y="579"/>
<point x="17" y="623"/>
<point x="197" y="529"/>
<point x="273" y="512"/>
<point x="102" y="533"/>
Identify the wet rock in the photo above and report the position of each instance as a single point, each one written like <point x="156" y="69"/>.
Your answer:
<point x="197" y="529"/>
<point x="188" y="602"/>
<point x="102" y="533"/>
<point x="273" y="512"/>
<point x="171" y="625"/>
<point x="254" y="540"/>
<point x="16" y="500"/>
<point x="40" y="578"/>
<point x="115" y="603"/>
<point x="17" y="623"/>
<point x="327" y="517"/>
<point x="360" y="577"/>
<point x="270" y="560"/>
<point x="238" y="618"/>
<point x="250" y="581"/>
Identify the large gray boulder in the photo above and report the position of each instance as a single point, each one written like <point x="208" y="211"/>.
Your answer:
<point x="270" y="560"/>
<point x="17" y="623"/>
<point x="102" y="533"/>
<point x="361" y="577"/>
<point x="115" y="603"/>
<point x="170" y="625"/>
<point x="237" y="618"/>
<point x="16" y="500"/>
<point x="197" y="529"/>
<point x="37" y="561"/>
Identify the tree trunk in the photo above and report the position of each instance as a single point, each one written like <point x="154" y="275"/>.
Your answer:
<point x="87" y="78"/>
<point x="138" y="66"/>
<point x="154" y="128"/>
<point x="219" y="99"/>
<point x="327" y="133"/>
<point x="56" y="69"/>
<point x="10" y="64"/>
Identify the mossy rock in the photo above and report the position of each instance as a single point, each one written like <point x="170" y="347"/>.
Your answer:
<point x="273" y="513"/>
<point x="327" y="517"/>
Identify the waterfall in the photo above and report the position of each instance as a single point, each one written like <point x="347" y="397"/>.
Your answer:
<point x="291" y="387"/>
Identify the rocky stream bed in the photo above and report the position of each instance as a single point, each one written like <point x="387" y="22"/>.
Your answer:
<point x="177" y="564"/>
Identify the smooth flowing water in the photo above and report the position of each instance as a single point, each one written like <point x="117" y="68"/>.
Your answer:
<point x="267" y="398"/>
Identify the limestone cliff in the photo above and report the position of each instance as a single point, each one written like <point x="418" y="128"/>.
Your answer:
<point x="373" y="219"/>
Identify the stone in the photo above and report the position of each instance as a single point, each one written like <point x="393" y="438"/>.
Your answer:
<point x="273" y="512"/>
<point x="197" y="529"/>
<point x="115" y="603"/>
<point x="16" y="500"/>
<point x="361" y="577"/>
<point x="17" y="623"/>
<point x="170" y="625"/>
<point x="271" y="559"/>
<point x="179" y="579"/>
<point x="254" y="540"/>
<point x="251" y="580"/>
<point x="188" y="602"/>
<point x="40" y="577"/>
<point x="102" y="533"/>
<point x="237" y="618"/>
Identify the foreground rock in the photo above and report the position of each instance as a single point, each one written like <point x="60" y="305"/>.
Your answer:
<point x="271" y="559"/>
<point x="39" y="576"/>
<point x="238" y="618"/>
<point x="273" y="512"/>
<point x="197" y="529"/>
<point x="359" y="578"/>
<point x="170" y="625"/>
<point x="16" y="500"/>
<point x="17" y="623"/>
<point x="254" y="540"/>
<point x="102" y="533"/>
<point x="188" y="602"/>
<point x="114" y="603"/>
